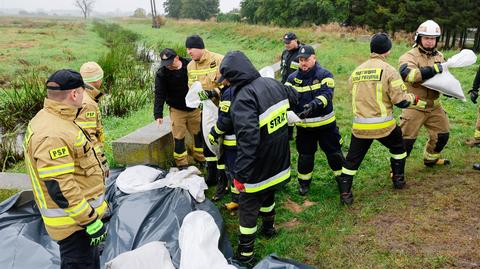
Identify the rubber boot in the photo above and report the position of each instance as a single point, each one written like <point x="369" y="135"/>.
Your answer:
<point x="245" y="251"/>
<point x="344" y="183"/>
<point x="211" y="173"/>
<point x="304" y="186"/>
<point x="476" y="166"/>
<point x="398" y="172"/>
<point x="268" y="228"/>
<point x="222" y="183"/>
<point x="432" y="163"/>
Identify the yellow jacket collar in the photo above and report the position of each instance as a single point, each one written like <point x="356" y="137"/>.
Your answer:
<point x="205" y="56"/>
<point x="94" y="93"/>
<point x="62" y="110"/>
<point x="374" y="55"/>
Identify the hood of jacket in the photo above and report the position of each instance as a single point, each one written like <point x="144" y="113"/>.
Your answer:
<point x="237" y="69"/>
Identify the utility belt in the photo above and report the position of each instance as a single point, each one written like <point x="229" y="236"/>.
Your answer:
<point x="426" y="104"/>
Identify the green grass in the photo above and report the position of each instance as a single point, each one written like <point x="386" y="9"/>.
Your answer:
<point x="326" y="234"/>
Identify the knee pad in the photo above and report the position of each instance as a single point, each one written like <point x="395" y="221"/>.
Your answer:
<point x="441" y="142"/>
<point x="179" y="146"/>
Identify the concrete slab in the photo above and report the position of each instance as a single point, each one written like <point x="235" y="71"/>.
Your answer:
<point x="15" y="181"/>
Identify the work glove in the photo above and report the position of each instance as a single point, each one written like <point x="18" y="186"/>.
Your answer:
<point x="473" y="95"/>
<point x="238" y="185"/>
<point x="97" y="232"/>
<point x="206" y="94"/>
<point x="310" y="108"/>
<point x="213" y="137"/>
<point x="430" y="71"/>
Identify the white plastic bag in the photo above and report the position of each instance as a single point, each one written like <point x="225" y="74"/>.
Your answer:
<point x="209" y="118"/>
<point x="267" y="72"/>
<point x="292" y="118"/>
<point x="445" y="82"/>
<point x="198" y="241"/>
<point x="192" y="100"/>
<point x="153" y="255"/>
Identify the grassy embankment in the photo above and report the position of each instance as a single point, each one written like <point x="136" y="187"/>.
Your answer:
<point x="431" y="224"/>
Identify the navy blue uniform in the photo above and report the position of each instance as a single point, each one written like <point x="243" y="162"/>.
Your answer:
<point x="320" y="127"/>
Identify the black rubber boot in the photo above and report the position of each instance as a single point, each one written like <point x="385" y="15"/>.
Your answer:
<point x="222" y="185"/>
<point x="268" y="229"/>
<point x="211" y="173"/>
<point x="398" y="172"/>
<point x="476" y="166"/>
<point x="432" y="163"/>
<point x="244" y="254"/>
<point x="344" y="183"/>
<point x="304" y="186"/>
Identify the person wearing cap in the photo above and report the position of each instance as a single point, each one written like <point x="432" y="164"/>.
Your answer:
<point x="171" y="86"/>
<point x="204" y="68"/>
<point x="66" y="173"/>
<point x="90" y="118"/>
<point x="289" y="62"/>
<point x="416" y="66"/>
<point x="376" y="87"/>
<point x="315" y="86"/>
<point x="259" y="116"/>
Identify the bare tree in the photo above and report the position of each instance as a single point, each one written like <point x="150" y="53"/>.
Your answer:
<point x="86" y="6"/>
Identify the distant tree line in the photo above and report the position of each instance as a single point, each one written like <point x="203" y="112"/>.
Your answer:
<point x="193" y="9"/>
<point x="454" y="16"/>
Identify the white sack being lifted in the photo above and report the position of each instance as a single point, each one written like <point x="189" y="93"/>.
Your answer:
<point x="445" y="82"/>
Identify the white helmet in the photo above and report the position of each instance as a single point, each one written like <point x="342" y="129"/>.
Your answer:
<point x="428" y="28"/>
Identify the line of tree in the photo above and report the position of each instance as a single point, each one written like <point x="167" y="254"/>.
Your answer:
<point x="455" y="17"/>
<point x="192" y="9"/>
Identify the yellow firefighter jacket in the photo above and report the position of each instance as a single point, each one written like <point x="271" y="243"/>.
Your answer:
<point x="206" y="70"/>
<point x="415" y="59"/>
<point x="376" y="86"/>
<point x="66" y="175"/>
<point x="90" y="120"/>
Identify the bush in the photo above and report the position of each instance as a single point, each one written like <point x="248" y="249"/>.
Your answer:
<point x="229" y="17"/>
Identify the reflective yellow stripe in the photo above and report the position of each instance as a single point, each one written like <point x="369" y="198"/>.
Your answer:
<point x="373" y="126"/>
<point x="231" y="143"/>
<point x="198" y="72"/>
<point x="354" y="97"/>
<point x="35" y="183"/>
<point x="57" y="170"/>
<point x="245" y="230"/>
<point x="435" y="66"/>
<point x="274" y="180"/>
<point x="316" y="124"/>
<point x="275" y="116"/>
<point x="307" y="88"/>
<point x="399" y="156"/>
<point x="267" y="209"/>
<point x="102" y="208"/>
<point x="93" y="79"/>
<point x="329" y="81"/>
<point x="430" y="156"/>
<point x="379" y="90"/>
<point x="78" y="209"/>
<point x="180" y="155"/>
<point x="397" y="83"/>
<point x="218" y="131"/>
<point x="348" y="171"/>
<point x="337" y="173"/>
<point x="197" y="149"/>
<point x="211" y="159"/>
<point x="234" y="190"/>
<point x="411" y="76"/>
<point x="323" y="99"/>
<point x="221" y="166"/>
<point x="305" y="176"/>
<point x="58" y="221"/>
<point x="87" y="124"/>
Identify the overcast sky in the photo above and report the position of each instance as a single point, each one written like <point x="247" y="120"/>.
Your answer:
<point x="100" y="5"/>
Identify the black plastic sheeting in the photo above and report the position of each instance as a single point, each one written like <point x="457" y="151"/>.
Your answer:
<point x="136" y="219"/>
<point x="275" y="262"/>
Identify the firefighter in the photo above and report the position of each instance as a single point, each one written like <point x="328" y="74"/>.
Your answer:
<point x="259" y="116"/>
<point x="376" y="87"/>
<point x="315" y="85"/>
<point x="289" y="62"/>
<point x="204" y="68"/>
<point x="417" y="65"/>
<point x="224" y="128"/>
<point x="90" y="117"/>
<point x="171" y="85"/>
<point x="66" y="173"/>
<point x="474" y="96"/>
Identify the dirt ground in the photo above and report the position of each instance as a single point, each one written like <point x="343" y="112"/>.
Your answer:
<point x="437" y="217"/>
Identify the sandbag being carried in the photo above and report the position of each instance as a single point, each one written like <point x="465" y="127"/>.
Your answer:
<point x="152" y="255"/>
<point x="192" y="100"/>
<point x="445" y="82"/>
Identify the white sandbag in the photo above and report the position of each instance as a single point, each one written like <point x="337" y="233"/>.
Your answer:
<point x="152" y="255"/>
<point x="445" y="82"/>
<point x="192" y="100"/>
<point x="267" y="72"/>
<point x="463" y="58"/>
<point x="209" y="118"/>
<point x="198" y="241"/>
<point x="292" y="118"/>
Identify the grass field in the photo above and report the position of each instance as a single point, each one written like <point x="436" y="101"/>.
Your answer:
<point x="433" y="223"/>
